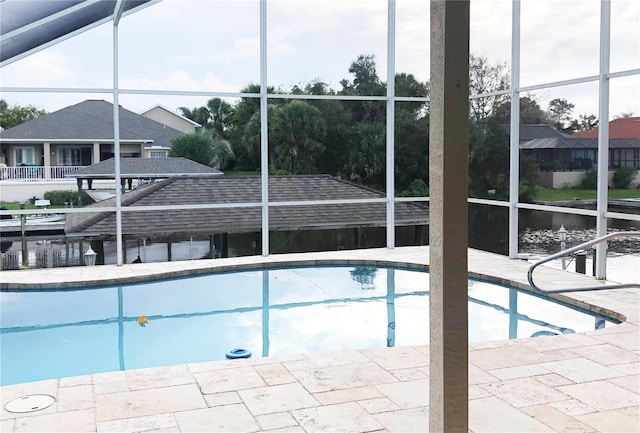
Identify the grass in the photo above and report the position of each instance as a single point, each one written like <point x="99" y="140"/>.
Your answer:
<point x="15" y="205"/>
<point x="548" y="194"/>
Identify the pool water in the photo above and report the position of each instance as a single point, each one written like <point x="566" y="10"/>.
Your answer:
<point x="53" y="334"/>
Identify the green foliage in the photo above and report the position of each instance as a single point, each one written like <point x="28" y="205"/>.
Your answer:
<point x="60" y="198"/>
<point x="485" y="77"/>
<point x="584" y="122"/>
<point x="559" y="114"/>
<point x="417" y="188"/>
<point x="527" y="191"/>
<point x="196" y="147"/>
<point x="590" y="180"/>
<point x="13" y="116"/>
<point x="296" y="132"/>
<point x="366" y="158"/>
<point x="623" y="176"/>
<point x="488" y="161"/>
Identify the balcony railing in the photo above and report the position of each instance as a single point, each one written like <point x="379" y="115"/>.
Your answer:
<point x="34" y="173"/>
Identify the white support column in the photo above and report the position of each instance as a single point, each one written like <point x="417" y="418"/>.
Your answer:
<point x="603" y="138"/>
<point x="264" y="132"/>
<point x="46" y="152"/>
<point x="116" y="147"/>
<point x="96" y="153"/>
<point x="390" y="144"/>
<point x="514" y="144"/>
<point x="448" y="226"/>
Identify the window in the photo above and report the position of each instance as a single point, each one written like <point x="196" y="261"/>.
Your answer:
<point x="158" y="154"/>
<point x="24" y="155"/>
<point x="74" y="155"/>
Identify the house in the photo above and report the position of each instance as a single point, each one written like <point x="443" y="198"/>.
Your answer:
<point x="167" y="117"/>
<point x="563" y="159"/>
<point x="82" y="134"/>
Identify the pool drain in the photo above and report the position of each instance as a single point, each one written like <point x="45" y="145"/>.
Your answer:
<point x="29" y="403"/>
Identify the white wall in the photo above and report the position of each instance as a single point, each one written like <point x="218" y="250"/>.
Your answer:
<point x="572" y="179"/>
<point x="23" y="191"/>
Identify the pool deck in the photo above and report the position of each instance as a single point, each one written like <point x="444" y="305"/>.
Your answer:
<point x="586" y="382"/>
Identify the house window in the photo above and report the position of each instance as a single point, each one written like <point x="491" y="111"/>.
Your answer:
<point x="74" y="155"/>
<point x="158" y="154"/>
<point x="25" y="155"/>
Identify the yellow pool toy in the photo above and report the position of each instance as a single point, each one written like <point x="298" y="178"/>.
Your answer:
<point x="142" y="320"/>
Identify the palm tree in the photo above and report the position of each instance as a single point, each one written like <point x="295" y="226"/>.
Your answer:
<point x="222" y="153"/>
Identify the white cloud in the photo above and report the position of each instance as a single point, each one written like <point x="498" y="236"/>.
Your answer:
<point x="214" y="46"/>
<point x="47" y="68"/>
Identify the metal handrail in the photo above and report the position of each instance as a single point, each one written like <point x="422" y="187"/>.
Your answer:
<point x="578" y="248"/>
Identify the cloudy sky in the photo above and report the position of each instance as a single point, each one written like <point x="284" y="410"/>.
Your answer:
<point x="213" y="45"/>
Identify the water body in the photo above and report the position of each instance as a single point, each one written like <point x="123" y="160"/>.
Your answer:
<point x="489" y="225"/>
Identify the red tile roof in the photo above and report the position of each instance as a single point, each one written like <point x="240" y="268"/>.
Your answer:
<point x="624" y="127"/>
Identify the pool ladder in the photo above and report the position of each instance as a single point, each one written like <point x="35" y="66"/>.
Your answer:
<point x="580" y="247"/>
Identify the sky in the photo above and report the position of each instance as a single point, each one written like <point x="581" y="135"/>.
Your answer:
<point x="213" y="46"/>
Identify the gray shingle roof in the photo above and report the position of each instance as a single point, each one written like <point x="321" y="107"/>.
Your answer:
<point x="145" y="168"/>
<point x="243" y="189"/>
<point x="92" y="121"/>
<point x="579" y="143"/>
<point x="532" y="132"/>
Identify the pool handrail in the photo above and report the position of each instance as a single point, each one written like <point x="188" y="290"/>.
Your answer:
<point x="580" y="247"/>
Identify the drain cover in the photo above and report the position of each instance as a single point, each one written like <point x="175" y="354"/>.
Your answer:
<point x="29" y="403"/>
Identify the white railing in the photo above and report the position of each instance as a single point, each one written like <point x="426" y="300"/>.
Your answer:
<point x="37" y="173"/>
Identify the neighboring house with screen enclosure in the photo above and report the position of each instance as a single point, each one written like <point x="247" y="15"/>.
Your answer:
<point x="564" y="159"/>
<point x="53" y="145"/>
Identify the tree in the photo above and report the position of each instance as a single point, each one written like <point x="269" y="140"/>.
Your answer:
<point x="196" y="146"/>
<point x="13" y="116"/>
<point x="584" y="122"/>
<point x="485" y="77"/>
<point x="297" y="131"/>
<point x="202" y="147"/>
<point x="220" y="117"/>
<point x="199" y="115"/>
<point x="559" y="113"/>
<point x="530" y="112"/>
<point x="222" y="153"/>
<point x="366" y="157"/>
<point x="365" y="83"/>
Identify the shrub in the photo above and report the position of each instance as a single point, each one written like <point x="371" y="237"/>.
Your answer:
<point x="60" y="198"/>
<point x="527" y="191"/>
<point x="417" y="188"/>
<point x="623" y="176"/>
<point x="590" y="180"/>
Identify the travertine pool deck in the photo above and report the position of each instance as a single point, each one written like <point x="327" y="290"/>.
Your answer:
<point x="586" y="382"/>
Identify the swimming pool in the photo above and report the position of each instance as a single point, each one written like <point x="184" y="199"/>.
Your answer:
<point x="52" y="334"/>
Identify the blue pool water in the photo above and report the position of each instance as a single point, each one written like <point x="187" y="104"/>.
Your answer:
<point x="52" y="334"/>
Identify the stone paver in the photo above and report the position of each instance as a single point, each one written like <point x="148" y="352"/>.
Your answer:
<point x="524" y="392"/>
<point x="558" y="421"/>
<point x="585" y="382"/>
<point x="154" y="401"/>
<point x="494" y="415"/>
<point x="74" y="421"/>
<point x="232" y="418"/>
<point x="407" y="395"/>
<point x="581" y="369"/>
<point x="622" y="420"/>
<point x="344" y="417"/>
<point x="602" y="395"/>
<point x="277" y="398"/>
<point x="139" y="424"/>
<point x="405" y="420"/>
